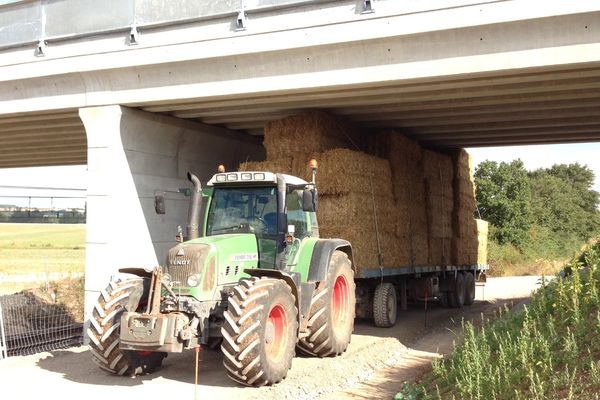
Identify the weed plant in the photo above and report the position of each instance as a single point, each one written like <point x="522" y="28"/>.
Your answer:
<point x="548" y="350"/>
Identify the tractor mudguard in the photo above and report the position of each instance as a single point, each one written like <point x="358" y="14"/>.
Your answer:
<point x="141" y="272"/>
<point x="321" y="257"/>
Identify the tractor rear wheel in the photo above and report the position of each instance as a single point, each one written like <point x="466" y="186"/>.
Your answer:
<point x="104" y="330"/>
<point x="385" y="305"/>
<point x="331" y="317"/>
<point x="469" y="289"/>
<point x="260" y="332"/>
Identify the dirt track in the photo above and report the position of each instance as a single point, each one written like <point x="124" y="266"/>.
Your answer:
<point x="376" y="363"/>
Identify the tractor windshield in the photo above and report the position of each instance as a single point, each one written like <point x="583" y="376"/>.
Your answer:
<point x="243" y="210"/>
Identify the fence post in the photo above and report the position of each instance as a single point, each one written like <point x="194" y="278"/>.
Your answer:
<point x="3" y="349"/>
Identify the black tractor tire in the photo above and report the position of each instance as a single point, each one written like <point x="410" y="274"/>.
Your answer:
<point x="385" y="305"/>
<point x="469" y="289"/>
<point x="331" y="316"/>
<point x="104" y="329"/>
<point x="458" y="295"/>
<point x="260" y="331"/>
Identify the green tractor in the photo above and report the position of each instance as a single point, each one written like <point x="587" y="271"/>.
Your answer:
<point x="251" y="274"/>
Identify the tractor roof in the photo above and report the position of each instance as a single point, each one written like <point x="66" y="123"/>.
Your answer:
<point x="252" y="177"/>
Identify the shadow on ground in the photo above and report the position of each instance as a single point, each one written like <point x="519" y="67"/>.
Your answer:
<point x="77" y="366"/>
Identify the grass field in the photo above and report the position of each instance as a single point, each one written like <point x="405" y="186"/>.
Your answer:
<point x="41" y="248"/>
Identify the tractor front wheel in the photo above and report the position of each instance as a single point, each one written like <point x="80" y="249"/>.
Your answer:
<point x="259" y="332"/>
<point x="104" y="329"/>
<point x="331" y="318"/>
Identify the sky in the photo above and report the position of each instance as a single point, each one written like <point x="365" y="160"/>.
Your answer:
<point x="71" y="177"/>
<point x="74" y="177"/>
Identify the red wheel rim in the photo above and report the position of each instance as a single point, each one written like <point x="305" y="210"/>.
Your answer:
<point x="276" y="333"/>
<point x="340" y="302"/>
<point x="143" y="353"/>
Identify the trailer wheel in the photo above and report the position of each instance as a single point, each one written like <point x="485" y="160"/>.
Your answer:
<point x="104" y="330"/>
<point x="458" y="295"/>
<point x="443" y="298"/>
<point x="469" y="289"/>
<point x="385" y="305"/>
<point x="331" y="317"/>
<point x="260" y="332"/>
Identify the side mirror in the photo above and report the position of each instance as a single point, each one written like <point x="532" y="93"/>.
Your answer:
<point x="310" y="200"/>
<point x="159" y="204"/>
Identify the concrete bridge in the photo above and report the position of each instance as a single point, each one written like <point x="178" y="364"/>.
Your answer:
<point x="143" y="90"/>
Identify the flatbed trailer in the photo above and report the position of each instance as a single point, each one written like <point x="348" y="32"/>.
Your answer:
<point x="380" y="290"/>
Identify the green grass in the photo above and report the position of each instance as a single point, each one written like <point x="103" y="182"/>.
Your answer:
<point x="40" y="248"/>
<point x="550" y="350"/>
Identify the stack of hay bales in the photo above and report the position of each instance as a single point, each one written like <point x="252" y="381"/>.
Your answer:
<point x="438" y="172"/>
<point x="356" y="203"/>
<point x="464" y="240"/>
<point x="355" y="194"/>
<point x="406" y="162"/>
<point x="413" y="206"/>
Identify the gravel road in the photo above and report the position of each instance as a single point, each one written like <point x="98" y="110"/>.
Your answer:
<point x="376" y="363"/>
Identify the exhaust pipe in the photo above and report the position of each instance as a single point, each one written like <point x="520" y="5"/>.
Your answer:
<point x="194" y="210"/>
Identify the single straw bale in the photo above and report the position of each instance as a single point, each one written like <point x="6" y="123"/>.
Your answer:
<point x="482" y="241"/>
<point x="313" y="132"/>
<point x="355" y="210"/>
<point x="364" y="245"/>
<point x="439" y="251"/>
<point x="395" y="252"/>
<point x="344" y="171"/>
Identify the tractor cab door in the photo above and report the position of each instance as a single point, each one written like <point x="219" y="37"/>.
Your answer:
<point x="304" y="223"/>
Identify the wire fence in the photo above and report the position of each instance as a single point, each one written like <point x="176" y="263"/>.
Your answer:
<point x="29" y="325"/>
<point x="3" y="354"/>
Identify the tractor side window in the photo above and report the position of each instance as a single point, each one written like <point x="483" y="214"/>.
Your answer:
<point x="296" y="216"/>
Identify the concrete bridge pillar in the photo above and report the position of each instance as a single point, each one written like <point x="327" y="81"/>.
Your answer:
<point x="132" y="155"/>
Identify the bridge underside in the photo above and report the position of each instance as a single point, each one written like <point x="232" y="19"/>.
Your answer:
<point x="455" y="77"/>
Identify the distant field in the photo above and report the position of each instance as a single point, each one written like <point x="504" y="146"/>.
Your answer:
<point x="41" y="248"/>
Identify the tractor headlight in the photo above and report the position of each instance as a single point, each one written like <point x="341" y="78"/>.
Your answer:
<point x="193" y="280"/>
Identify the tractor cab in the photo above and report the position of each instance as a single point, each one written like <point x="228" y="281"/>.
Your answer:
<point x="279" y="210"/>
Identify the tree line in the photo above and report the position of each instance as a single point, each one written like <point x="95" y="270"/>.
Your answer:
<point x="34" y="215"/>
<point x="546" y="213"/>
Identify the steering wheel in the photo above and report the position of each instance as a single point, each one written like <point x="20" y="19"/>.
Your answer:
<point x="264" y="227"/>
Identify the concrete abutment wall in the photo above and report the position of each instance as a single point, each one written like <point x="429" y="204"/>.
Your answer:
<point x="133" y="155"/>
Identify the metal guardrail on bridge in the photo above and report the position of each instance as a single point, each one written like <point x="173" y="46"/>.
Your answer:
<point x="25" y="22"/>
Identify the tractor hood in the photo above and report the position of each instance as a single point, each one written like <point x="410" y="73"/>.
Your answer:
<point x="198" y="266"/>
